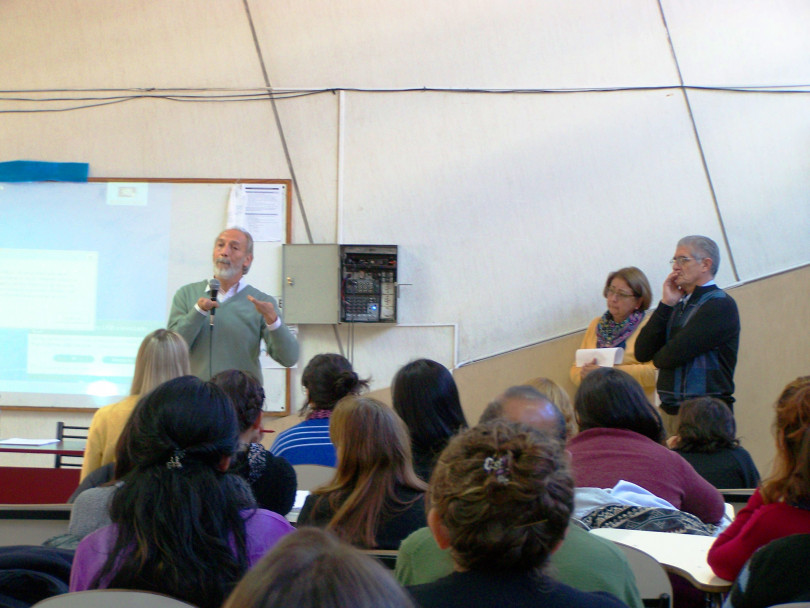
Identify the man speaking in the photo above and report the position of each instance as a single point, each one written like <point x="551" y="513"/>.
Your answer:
<point x="225" y="320"/>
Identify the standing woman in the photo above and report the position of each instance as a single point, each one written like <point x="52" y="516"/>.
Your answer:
<point x="781" y="505"/>
<point x="425" y="396"/>
<point x="163" y="355"/>
<point x="375" y="499"/>
<point x="628" y="295"/>
<point x="327" y="378"/>
<point x="182" y="525"/>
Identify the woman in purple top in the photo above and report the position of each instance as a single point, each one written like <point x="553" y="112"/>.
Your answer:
<point x="182" y="525"/>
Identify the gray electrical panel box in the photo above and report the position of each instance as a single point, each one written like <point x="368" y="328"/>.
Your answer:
<point x="340" y="283"/>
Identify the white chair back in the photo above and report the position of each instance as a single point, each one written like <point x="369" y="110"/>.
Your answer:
<point x="310" y="476"/>
<point x="112" y="598"/>
<point x="652" y="579"/>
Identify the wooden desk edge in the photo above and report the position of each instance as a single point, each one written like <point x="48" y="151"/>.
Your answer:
<point x="721" y="586"/>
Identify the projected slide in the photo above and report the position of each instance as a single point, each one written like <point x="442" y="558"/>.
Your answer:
<point x="86" y="268"/>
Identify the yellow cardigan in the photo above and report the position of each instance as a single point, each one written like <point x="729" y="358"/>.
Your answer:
<point x="643" y="372"/>
<point x="107" y="424"/>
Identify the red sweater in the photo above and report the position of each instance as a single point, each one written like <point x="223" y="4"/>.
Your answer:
<point x="755" y="525"/>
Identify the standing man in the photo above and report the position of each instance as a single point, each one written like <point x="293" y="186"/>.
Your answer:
<point x="693" y="335"/>
<point x="232" y="338"/>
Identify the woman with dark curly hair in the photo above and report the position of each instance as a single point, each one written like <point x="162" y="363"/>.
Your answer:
<point x="706" y="439"/>
<point x="500" y="499"/>
<point x="181" y="524"/>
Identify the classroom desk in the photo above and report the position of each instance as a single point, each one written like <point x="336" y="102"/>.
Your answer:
<point x="681" y="554"/>
<point x="66" y="447"/>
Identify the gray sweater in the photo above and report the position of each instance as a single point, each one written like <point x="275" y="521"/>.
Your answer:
<point x="91" y="510"/>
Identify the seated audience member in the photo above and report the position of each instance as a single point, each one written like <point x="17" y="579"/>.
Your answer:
<point x="621" y="439"/>
<point x="706" y="439"/>
<point x="327" y="378"/>
<point x="628" y="294"/>
<point x="772" y="577"/>
<point x="182" y="525"/>
<point x="781" y="505"/>
<point x="102" y="475"/>
<point x="583" y="561"/>
<point x="311" y="567"/>
<point x="527" y="405"/>
<point x="425" y="396"/>
<point x="91" y="508"/>
<point x="375" y="499"/>
<point x="163" y="355"/>
<point x="557" y="395"/>
<point x="271" y="478"/>
<point x="500" y="499"/>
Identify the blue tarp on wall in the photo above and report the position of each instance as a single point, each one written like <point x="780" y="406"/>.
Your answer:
<point x="39" y="171"/>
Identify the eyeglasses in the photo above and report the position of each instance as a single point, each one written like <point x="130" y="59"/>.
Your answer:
<point x="620" y="294"/>
<point x="681" y="260"/>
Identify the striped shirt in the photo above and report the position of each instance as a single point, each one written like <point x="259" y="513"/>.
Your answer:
<point x="306" y="443"/>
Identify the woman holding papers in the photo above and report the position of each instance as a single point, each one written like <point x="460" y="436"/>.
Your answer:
<point x="628" y="295"/>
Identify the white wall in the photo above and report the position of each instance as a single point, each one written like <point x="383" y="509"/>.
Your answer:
<point x="509" y="208"/>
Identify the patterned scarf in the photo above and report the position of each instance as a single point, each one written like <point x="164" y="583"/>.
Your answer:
<point x="257" y="461"/>
<point x="318" y="414"/>
<point x="610" y="334"/>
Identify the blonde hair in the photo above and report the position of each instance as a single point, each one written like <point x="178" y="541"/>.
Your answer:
<point x="162" y="356"/>
<point x="373" y="458"/>
<point x="557" y="395"/>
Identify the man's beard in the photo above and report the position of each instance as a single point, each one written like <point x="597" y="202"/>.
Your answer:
<point x="225" y="273"/>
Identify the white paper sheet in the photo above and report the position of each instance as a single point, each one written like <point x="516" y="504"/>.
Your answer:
<point x="259" y="208"/>
<point x="605" y="357"/>
<point x="20" y="441"/>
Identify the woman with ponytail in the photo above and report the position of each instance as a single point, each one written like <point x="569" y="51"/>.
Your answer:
<point x="327" y="378"/>
<point x="181" y="524"/>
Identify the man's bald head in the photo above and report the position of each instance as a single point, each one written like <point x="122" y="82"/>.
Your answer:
<point x="529" y="406"/>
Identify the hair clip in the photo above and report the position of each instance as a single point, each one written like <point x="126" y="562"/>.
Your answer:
<point x="500" y="466"/>
<point x="175" y="461"/>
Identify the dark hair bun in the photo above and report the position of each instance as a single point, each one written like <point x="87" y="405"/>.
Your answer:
<point x="346" y="382"/>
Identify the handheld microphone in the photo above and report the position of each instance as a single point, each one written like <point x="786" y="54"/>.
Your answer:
<point x="213" y="286"/>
